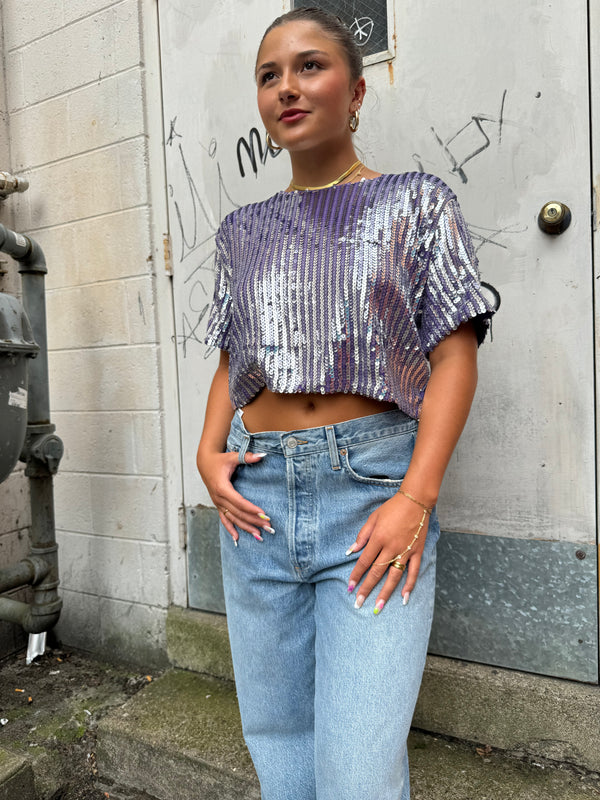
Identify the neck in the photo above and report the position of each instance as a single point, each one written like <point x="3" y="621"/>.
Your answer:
<point x="316" y="169"/>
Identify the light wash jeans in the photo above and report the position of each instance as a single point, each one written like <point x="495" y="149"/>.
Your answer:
<point x="326" y="692"/>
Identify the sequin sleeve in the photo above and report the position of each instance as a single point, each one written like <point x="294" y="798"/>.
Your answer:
<point x="219" y="321"/>
<point x="453" y="291"/>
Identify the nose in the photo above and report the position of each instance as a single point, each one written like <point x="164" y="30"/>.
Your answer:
<point x="288" y="87"/>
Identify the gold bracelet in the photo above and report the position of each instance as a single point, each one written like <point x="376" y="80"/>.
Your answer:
<point x="418" y="502"/>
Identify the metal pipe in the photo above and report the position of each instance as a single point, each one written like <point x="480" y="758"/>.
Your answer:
<point x="12" y="183"/>
<point x="42" y="450"/>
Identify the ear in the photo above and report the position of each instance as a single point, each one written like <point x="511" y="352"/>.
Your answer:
<point x="358" y="94"/>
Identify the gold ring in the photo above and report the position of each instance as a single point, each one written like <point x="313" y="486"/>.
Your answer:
<point x="225" y="512"/>
<point x="399" y="565"/>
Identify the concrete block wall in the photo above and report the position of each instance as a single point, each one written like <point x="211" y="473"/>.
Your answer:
<point x="76" y="83"/>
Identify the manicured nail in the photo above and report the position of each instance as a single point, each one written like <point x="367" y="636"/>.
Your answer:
<point x="351" y="586"/>
<point x="235" y="542"/>
<point x="378" y="606"/>
<point x="264" y="516"/>
<point x="268" y="529"/>
<point x="350" y="550"/>
<point x="359" y="601"/>
<point x="405" y="598"/>
<point x="258" y="537"/>
<point x="260" y="455"/>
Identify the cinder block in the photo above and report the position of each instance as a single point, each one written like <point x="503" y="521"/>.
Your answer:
<point x="27" y="20"/>
<point x="87" y="316"/>
<point x="87" y="51"/>
<point x="37" y="134"/>
<point x="14" y="502"/>
<point x="134" y="633"/>
<point x="92" y="250"/>
<point x="77" y="9"/>
<point x="89" y="185"/>
<point x="123" y="506"/>
<point x="105" y="379"/>
<point x="111" y="442"/>
<point x="15" y="89"/>
<point x="121" y="569"/>
<point x="100" y="442"/>
<point x="113" y="629"/>
<point x="14" y="546"/>
<point x="79" y="623"/>
<point x="140" y="301"/>
<point x="148" y="445"/>
<point x="111" y="505"/>
<point x="72" y="501"/>
<point x="95" y="116"/>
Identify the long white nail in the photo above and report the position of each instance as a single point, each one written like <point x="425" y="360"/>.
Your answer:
<point x="405" y="598"/>
<point x="235" y="542"/>
<point x="350" y="550"/>
<point x="260" y="455"/>
<point x="268" y="529"/>
<point x="359" y="601"/>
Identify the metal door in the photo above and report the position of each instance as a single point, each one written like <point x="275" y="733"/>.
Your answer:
<point x="493" y="98"/>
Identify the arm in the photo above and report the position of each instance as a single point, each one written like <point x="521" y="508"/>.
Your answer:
<point x="216" y="467"/>
<point x="391" y="528"/>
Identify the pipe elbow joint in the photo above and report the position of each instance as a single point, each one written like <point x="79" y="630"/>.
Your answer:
<point x="40" y="619"/>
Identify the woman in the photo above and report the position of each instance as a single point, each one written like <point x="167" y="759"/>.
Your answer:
<point x="346" y="308"/>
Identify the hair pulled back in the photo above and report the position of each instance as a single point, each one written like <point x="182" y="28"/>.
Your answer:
<point x="333" y="26"/>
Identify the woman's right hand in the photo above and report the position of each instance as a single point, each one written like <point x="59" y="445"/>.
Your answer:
<point x="216" y="470"/>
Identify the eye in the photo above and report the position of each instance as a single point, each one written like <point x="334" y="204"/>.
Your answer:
<point x="266" y="77"/>
<point x="310" y="66"/>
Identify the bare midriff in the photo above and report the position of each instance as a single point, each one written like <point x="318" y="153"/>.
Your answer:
<point x="288" y="412"/>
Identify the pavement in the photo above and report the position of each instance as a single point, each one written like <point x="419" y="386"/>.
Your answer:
<point x="93" y="731"/>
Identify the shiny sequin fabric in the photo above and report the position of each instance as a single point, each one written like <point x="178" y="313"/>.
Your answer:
<point x="345" y="289"/>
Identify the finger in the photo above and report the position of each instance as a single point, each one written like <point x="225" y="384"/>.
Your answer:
<point x="229" y="527"/>
<point x="364" y="563"/>
<point x="363" y="537"/>
<point x="235" y="520"/>
<point x="411" y="575"/>
<point x="253" y="458"/>
<point x="377" y="569"/>
<point x="228" y="497"/>
<point x="392" y="580"/>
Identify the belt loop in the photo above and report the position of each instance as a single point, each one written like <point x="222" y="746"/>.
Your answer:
<point x="244" y="448"/>
<point x="333" y="452"/>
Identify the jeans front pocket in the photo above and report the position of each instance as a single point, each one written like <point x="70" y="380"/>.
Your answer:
<point x="382" y="461"/>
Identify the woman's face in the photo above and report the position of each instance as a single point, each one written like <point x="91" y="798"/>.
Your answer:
<point x="305" y="93"/>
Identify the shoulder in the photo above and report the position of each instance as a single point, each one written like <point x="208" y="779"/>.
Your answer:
<point x="421" y="193"/>
<point x="247" y="216"/>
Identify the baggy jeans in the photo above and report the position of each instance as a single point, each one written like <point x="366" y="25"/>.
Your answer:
<point x="326" y="691"/>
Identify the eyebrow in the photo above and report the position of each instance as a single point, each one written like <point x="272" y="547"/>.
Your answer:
<point x="303" y="54"/>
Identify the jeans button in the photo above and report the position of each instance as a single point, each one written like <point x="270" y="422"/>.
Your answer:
<point x="292" y="442"/>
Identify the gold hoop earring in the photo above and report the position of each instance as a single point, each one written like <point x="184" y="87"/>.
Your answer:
<point x="353" y="121"/>
<point x="271" y="145"/>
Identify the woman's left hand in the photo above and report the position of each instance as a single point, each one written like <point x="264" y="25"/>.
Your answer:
<point x="387" y="533"/>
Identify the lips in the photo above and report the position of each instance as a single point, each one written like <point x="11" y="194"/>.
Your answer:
<point x="292" y="115"/>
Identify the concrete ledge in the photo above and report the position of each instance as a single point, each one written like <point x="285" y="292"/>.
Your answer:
<point x="531" y="714"/>
<point x="180" y="736"/>
<point x="199" y="642"/>
<point x="515" y="711"/>
<point x="16" y="777"/>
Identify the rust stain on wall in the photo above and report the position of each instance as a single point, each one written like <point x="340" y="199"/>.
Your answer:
<point x="391" y="72"/>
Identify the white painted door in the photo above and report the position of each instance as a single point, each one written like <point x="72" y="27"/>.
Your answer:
<point x="494" y="99"/>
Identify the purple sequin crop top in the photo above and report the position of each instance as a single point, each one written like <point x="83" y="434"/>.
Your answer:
<point x="345" y="289"/>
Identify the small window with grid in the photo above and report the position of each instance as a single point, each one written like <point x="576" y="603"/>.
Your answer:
<point x="371" y="21"/>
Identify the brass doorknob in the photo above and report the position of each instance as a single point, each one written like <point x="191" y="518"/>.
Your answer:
<point x="554" y="218"/>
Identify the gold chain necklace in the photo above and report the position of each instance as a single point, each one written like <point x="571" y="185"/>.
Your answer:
<point x="339" y="179"/>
